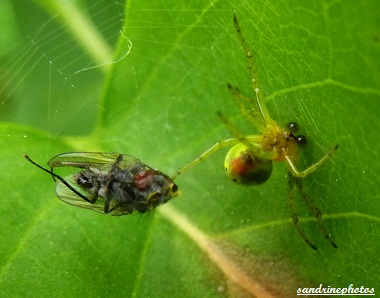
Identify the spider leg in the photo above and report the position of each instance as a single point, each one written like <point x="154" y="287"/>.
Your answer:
<point x="219" y="145"/>
<point x="315" y="210"/>
<point x="293" y="209"/>
<point x="253" y="142"/>
<point x="247" y="109"/>
<point x="315" y="166"/>
<point x="252" y="69"/>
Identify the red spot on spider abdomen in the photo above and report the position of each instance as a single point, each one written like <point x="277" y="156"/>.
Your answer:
<point x="242" y="165"/>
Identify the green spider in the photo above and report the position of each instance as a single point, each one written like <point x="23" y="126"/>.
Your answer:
<point x="250" y="160"/>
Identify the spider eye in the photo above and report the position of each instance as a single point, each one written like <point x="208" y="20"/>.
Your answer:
<point x="245" y="168"/>
<point x="301" y="140"/>
<point x="293" y="127"/>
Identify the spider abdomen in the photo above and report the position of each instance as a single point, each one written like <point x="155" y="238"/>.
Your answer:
<point x="244" y="167"/>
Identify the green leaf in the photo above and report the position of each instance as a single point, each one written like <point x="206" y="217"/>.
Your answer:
<point x="317" y="64"/>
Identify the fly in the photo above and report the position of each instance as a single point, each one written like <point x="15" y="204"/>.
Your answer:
<point x="110" y="183"/>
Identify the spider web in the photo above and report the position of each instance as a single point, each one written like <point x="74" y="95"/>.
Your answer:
<point x="57" y="56"/>
<point x="54" y="60"/>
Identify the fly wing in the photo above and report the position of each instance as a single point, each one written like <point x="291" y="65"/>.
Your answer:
<point x="99" y="160"/>
<point x="71" y="197"/>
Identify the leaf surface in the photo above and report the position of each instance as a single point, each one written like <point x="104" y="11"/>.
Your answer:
<point x="317" y="65"/>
